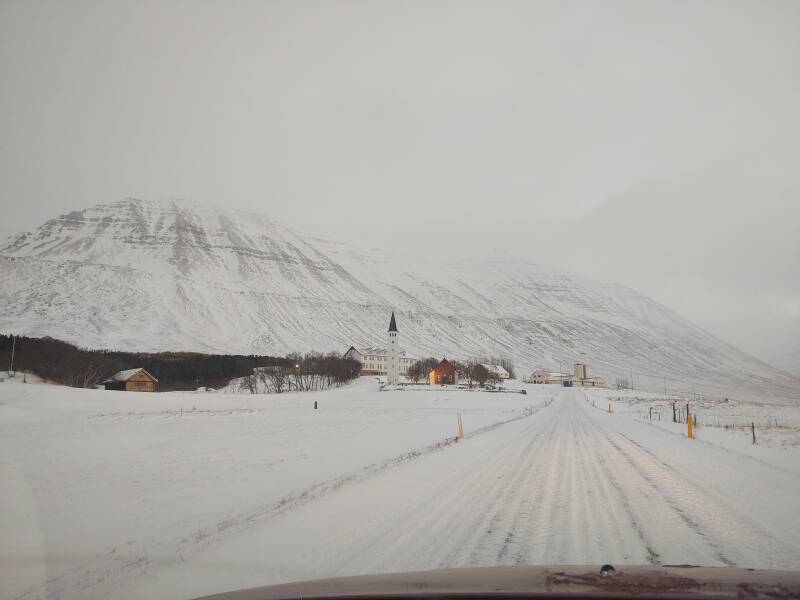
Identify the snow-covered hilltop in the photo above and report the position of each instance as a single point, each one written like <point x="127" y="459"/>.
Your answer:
<point x="143" y="275"/>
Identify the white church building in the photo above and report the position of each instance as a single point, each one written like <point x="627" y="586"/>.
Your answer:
<point x="390" y="361"/>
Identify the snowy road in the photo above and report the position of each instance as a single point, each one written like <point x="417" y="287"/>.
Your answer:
<point x="181" y="495"/>
<point x="569" y="484"/>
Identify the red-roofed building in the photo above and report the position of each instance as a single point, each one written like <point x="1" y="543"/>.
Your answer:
<point x="443" y="373"/>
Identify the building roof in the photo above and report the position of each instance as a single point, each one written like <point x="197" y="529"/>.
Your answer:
<point x="497" y="370"/>
<point x="370" y="351"/>
<point x="392" y="324"/>
<point x="127" y="374"/>
<point x="540" y="372"/>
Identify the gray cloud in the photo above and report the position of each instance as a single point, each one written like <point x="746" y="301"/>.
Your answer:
<point x="651" y="143"/>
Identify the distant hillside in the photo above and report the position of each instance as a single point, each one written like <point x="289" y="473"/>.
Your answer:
<point x="150" y="276"/>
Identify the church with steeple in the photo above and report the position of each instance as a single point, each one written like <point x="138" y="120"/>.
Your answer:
<point x="393" y="355"/>
<point x="390" y="361"/>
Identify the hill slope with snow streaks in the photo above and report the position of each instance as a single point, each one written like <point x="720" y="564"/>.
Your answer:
<point x="146" y="276"/>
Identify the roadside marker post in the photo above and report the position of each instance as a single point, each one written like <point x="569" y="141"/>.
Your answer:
<point x="460" y="428"/>
<point x="689" y="431"/>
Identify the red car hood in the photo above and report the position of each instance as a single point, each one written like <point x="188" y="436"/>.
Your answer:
<point x="663" y="582"/>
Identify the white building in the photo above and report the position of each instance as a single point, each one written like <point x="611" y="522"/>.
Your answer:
<point x="376" y="361"/>
<point x="582" y="377"/>
<point x="594" y="381"/>
<point x="544" y="376"/>
<point x="497" y="371"/>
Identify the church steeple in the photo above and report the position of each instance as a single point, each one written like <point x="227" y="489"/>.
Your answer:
<point x="393" y="358"/>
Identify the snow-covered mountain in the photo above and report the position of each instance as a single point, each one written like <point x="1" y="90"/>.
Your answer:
<point x="142" y="275"/>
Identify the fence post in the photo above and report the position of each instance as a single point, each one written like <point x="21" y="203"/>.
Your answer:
<point x="753" y="429"/>
<point x="674" y="420"/>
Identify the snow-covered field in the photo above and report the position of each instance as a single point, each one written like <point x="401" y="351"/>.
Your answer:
<point x="109" y="494"/>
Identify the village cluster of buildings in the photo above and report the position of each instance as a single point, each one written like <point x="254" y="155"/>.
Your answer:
<point x="391" y="362"/>
<point x="579" y="377"/>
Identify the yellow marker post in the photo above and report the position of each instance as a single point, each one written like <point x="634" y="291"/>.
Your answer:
<point x="609" y="407"/>
<point x="689" y="431"/>
<point x="460" y="428"/>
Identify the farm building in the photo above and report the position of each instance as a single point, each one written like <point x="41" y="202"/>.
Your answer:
<point x="544" y="376"/>
<point x="132" y="380"/>
<point x="497" y="371"/>
<point x="582" y="377"/>
<point x="443" y="373"/>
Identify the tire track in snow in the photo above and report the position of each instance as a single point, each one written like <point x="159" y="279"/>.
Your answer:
<point x="497" y="536"/>
<point x="691" y="523"/>
<point x="517" y="526"/>
<point x="622" y="498"/>
<point x="612" y="495"/>
<point x="713" y="525"/>
<point x="454" y="494"/>
<point x="426" y="515"/>
<point x="438" y="512"/>
<point x="660" y="510"/>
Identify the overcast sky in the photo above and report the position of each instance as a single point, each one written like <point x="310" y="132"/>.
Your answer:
<point x="651" y="143"/>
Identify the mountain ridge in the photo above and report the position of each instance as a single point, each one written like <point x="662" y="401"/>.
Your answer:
<point x="146" y="276"/>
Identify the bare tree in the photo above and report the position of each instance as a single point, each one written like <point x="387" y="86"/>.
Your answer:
<point x="278" y="376"/>
<point x="493" y="378"/>
<point x="249" y="383"/>
<point x="467" y="372"/>
<point x="480" y="374"/>
<point x="421" y="369"/>
<point x="415" y="372"/>
<point x="85" y="376"/>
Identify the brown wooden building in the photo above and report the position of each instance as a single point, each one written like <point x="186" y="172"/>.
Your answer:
<point x="132" y="380"/>
<point x="443" y="373"/>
